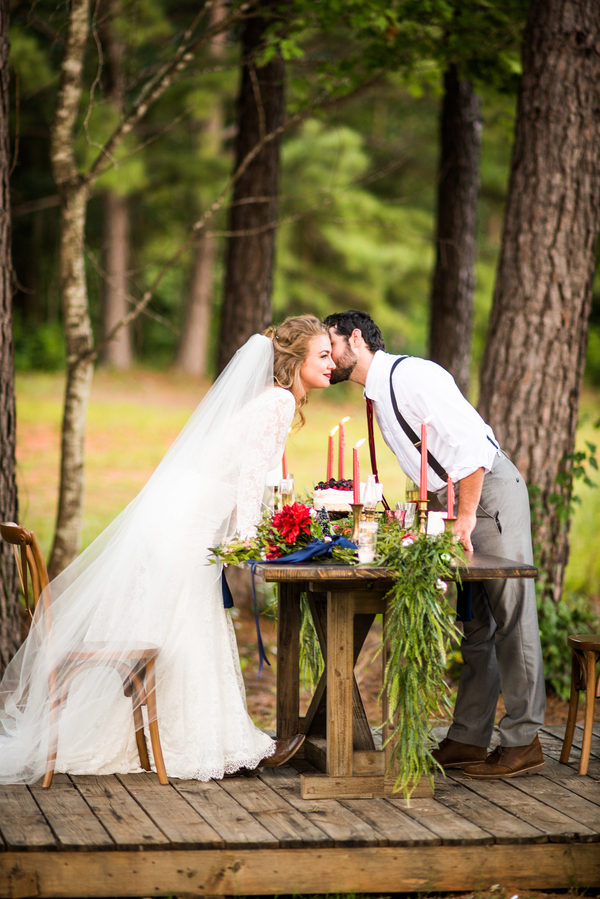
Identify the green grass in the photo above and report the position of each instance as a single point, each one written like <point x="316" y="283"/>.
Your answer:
<point x="134" y="417"/>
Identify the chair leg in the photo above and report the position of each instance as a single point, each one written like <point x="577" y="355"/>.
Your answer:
<point x="140" y="738"/>
<point x="55" y="704"/>
<point x="572" y="716"/>
<point x="590" y="691"/>
<point x="153" y="724"/>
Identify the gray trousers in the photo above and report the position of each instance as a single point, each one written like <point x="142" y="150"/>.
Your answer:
<point x="501" y="646"/>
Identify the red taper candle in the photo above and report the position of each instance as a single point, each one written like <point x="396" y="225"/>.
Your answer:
<point x="342" y="447"/>
<point x="356" y="471"/>
<point x="330" y="453"/>
<point x="423" y="482"/>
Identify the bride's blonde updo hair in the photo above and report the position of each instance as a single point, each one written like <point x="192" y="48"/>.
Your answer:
<point x="291" y="345"/>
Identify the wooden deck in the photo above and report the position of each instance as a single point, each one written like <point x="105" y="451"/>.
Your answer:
<point x="128" y="836"/>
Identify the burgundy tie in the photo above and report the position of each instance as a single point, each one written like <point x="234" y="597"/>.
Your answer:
<point x="371" y="433"/>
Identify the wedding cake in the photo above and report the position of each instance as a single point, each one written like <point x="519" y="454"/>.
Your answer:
<point x="336" y="496"/>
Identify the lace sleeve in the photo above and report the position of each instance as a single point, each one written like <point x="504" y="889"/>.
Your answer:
<point x="272" y="416"/>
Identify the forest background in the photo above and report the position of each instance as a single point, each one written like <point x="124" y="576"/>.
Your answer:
<point x="353" y="211"/>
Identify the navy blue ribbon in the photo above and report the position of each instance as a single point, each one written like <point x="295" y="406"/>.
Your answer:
<point x="227" y="595"/>
<point x="464" y="607"/>
<point x="316" y="549"/>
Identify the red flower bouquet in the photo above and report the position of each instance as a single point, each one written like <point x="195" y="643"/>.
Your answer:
<point x="292" y="521"/>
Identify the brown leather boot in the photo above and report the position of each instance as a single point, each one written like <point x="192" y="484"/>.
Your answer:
<point x="284" y="750"/>
<point x="508" y="761"/>
<point x="452" y="754"/>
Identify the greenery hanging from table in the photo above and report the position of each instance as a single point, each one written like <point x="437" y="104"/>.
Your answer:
<point x="419" y="632"/>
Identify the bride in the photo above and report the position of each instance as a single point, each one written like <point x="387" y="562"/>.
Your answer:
<point x="147" y="578"/>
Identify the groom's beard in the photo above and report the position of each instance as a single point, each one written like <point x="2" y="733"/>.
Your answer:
<point x="344" y="367"/>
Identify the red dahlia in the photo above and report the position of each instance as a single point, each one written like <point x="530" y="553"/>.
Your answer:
<point x="292" y="521"/>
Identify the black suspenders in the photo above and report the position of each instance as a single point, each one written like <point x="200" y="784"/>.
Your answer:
<point x="415" y="440"/>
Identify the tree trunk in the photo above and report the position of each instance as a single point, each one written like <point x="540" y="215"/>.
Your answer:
<point x="116" y="264"/>
<point x="251" y="254"/>
<point x="535" y="353"/>
<point x="192" y="353"/>
<point x="116" y="207"/>
<point x="74" y="190"/>
<point x="9" y="597"/>
<point x="453" y="286"/>
<point x="78" y="331"/>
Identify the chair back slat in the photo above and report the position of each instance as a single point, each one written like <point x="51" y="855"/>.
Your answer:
<point x="31" y="560"/>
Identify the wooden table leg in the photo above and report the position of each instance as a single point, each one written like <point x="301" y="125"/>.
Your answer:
<point x="340" y="681"/>
<point x="288" y="659"/>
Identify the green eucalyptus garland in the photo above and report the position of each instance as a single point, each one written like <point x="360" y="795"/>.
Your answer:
<point x="419" y="632"/>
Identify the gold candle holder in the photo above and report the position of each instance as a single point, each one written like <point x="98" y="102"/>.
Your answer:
<point x="356" y="516"/>
<point x="449" y="525"/>
<point x="422" y="513"/>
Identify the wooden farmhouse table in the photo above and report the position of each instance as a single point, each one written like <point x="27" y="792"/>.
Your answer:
<point x="344" y="601"/>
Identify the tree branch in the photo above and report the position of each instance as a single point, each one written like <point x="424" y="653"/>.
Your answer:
<point x="214" y="207"/>
<point x="157" y="85"/>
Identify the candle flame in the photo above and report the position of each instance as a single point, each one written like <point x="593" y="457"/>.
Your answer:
<point x="427" y="420"/>
<point x="333" y="430"/>
<point x="344" y="420"/>
<point x="360" y="443"/>
<point x="452" y="474"/>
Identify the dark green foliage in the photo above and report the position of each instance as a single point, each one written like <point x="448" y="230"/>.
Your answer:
<point x="419" y="633"/>
<point x="39" y="349"/>
<point x="574" y="614"/>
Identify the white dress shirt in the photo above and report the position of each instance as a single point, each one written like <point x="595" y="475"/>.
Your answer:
<point x="457" y="435"/>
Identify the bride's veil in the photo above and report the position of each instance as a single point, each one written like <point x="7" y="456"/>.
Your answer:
<point x="123" y="589"/>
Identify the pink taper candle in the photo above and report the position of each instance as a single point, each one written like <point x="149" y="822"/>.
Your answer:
<point x="423" y="482"/>
<point x="342" y="447"/>
<point x="356" y="471"/>
<point x="450" y="503"/>
<point x="330" y="453"/>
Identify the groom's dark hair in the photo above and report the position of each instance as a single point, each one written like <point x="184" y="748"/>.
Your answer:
<point x="346" y="322"/>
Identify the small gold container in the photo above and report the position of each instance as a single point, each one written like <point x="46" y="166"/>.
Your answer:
<point x="422" y="513"/>
<point x="356" y="516"/>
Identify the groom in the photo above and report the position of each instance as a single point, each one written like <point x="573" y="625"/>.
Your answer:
<point x="501" y="645"/>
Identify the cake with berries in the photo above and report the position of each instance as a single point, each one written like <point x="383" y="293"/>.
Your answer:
<point x="336" y="496"/>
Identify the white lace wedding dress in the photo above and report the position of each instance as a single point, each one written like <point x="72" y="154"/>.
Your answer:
<point x="147" y="579"/>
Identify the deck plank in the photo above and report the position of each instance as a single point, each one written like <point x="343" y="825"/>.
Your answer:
<point x="225" y="815"/>
<point x="585" y="814"/>
<point x="395" y="826"/>
<point x="68" y="814"/>
<point x="502" y="824"/>
<point x="584" y="785"/>
<point x="557" y="731"/>
<point x="505" y="793"/>
<point x="290" y="827"/>
<point x="128" y="825"/>
<point x="175" y="818"/>
<point x="381" y="869"/>
<point x="341" y="825"/>
<point x="22" y="824"/>
<point x="452" y="828"/>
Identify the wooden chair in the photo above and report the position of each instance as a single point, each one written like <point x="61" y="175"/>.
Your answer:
<point x="585" y="652"/>
<point x="135" y="665"/>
